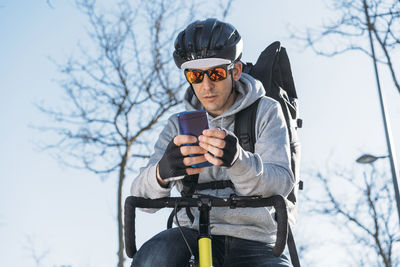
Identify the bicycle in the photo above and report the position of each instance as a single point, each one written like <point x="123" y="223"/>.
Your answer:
<point x="205" y="203"/>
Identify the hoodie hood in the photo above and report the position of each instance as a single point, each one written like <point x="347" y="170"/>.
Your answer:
<point x="248" y="91"/>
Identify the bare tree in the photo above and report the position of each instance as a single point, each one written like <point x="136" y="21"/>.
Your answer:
<point x="350" y="31"/>
<point x="48" y="2"/>
<point x="36" y="255"/>
<point x="367" y="218"/>
<point x="120" y="87"/>
<point x="361" y="206"/>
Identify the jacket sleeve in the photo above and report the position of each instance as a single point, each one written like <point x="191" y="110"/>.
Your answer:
<point x="145" y="184"/>
<point x="267" y="171"/>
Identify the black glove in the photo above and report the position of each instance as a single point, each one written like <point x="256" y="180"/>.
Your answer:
<point x="171" y="164"/>
<point x="230" y="150"/>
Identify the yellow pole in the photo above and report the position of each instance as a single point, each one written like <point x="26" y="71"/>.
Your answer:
<point x="205" y="254"/>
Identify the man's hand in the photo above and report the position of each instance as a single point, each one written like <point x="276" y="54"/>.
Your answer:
<point x="176" y="160"/>
<point x="181" y="140"/>
<point x="223" y="145"/>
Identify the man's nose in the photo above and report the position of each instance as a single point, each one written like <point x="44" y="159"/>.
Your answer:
<point x="207" y="84"/>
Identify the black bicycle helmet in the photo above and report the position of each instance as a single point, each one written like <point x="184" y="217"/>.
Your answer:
<point x="207" y="42"/>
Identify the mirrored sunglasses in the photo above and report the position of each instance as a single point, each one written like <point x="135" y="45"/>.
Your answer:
<point x="215" y="74"/>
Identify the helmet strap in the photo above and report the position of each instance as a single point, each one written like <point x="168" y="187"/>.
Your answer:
<point x="191" y="86"/>
<point x="233" y="82"/>
<point x="194" y="92"/>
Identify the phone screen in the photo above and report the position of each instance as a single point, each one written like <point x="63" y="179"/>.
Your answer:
<point x="193" y="123"/>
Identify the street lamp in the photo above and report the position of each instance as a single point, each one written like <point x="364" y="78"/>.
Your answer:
<point x="368" y="158"/>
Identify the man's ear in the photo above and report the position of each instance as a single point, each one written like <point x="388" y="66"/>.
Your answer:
<point x="237" y="71"/>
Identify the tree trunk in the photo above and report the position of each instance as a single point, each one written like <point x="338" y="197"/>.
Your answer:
<point x="121" y="179"/>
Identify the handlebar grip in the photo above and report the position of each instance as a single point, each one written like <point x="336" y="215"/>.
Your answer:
<point x="129" y="227"/>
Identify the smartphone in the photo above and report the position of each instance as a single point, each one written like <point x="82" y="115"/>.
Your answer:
<point x="193" y="123"/>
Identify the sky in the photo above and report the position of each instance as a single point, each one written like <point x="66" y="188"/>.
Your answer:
<point x="69" y="213"/>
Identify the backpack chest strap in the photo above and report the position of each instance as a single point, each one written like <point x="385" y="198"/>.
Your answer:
<point x="215" y="185"/>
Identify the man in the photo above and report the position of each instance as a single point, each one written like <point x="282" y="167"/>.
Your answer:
<point x="209" y="53"/>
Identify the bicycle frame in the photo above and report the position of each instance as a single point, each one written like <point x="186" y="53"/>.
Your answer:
<point x="204" y="242"/>
<point x="205" y="203"/>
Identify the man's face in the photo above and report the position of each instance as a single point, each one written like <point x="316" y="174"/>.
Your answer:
<point x="216" y="97"/>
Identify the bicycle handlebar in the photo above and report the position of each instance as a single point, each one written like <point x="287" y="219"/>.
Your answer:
<point x="278" y="202"/>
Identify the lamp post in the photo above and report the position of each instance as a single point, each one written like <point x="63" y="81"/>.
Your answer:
<point x="386" y="124"/>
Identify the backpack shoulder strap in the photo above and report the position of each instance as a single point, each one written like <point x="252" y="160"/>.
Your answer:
<point x="245" y="123"/>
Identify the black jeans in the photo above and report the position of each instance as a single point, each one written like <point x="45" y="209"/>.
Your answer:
<point x="168" y="249"/>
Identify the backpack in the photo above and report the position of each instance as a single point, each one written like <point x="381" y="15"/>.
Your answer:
<point x="273" y="70"/>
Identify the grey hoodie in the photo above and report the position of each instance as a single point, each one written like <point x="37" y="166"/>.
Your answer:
<point x="265" y="172"/>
